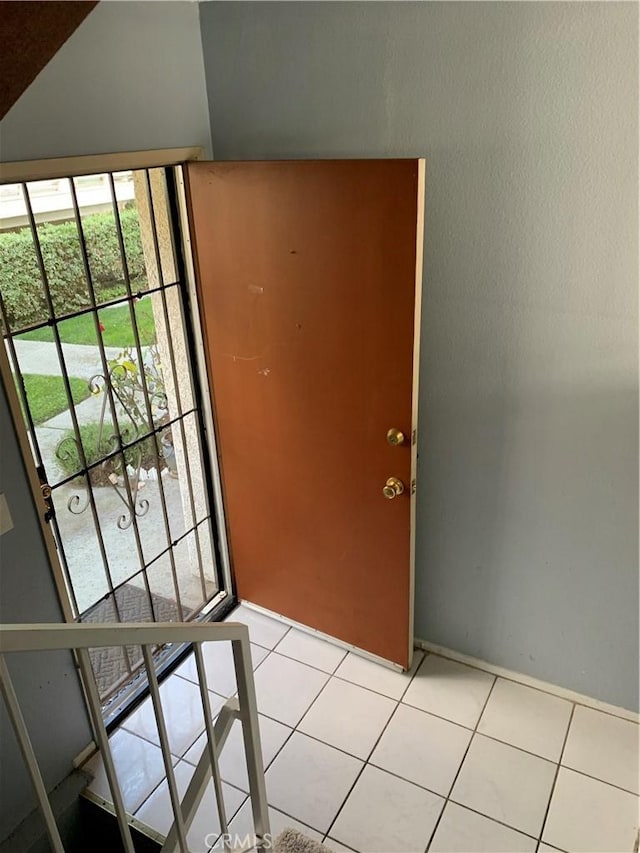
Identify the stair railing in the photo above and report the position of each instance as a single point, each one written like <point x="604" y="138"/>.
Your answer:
<point x="82" y="637"/>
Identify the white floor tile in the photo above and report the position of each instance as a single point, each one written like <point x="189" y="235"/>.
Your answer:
<point x="233" y="765"/>
<point x="547" y="848"/>
<point x="527" y="718"/>
<point x="219" y="668"/>
<point x="422" y="748"/>
<point x="286" y="688"/>
<point x="505" y="783"/>
<point x="182" y="707"/>
<point x="588" y="816"/>
<point x="311" y="650"/>
<point x="462" y="831"/>
<point x="242" y="825"/>
<point x="139" y="768"/>
<point x="605" y="747"/>
<point x="348" y="717"/>
<point x="263" y="630"/>
<point x="310" y="780"/>
<point x="385" y="814"/>
<point x="157" y="811"/>
<point x="377" y="677"/>
<point x="450" y="690"/>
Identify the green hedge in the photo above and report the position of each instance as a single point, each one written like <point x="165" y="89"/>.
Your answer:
<point x="20" y="281"/>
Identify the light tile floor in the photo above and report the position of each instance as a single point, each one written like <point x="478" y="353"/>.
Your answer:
<point x="444" y="758"/>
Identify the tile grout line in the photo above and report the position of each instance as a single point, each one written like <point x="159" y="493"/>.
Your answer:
<point x="597" y="779"/>
<point x="446" y="798"/>
<point x="557" y="691"/>
<point x="398" y="702"/>
<point x="555" y="779"/>
<point x="367" y="763"/>
<point x="437" y="717"/>
<point x="490" y="819"/>
<point x="522" y="679"/>
<point x="292" y="729"/>
<point x="334" y="672"/>
<point x="306" y="663"/>
<point x="248" y="795"/>
<point x="348" y="652"/>
<point x="352" y="684"/>
<point x="513" y="746"/>
<point x="473" y="730"/>
<point x="285" y="655"/>
<point x="229" y="819"/>
<point x="273" y="648"/>
<point x="234" y="814"/>
<point x="164" y="779"/>
<point x="426" y="653"/>
<point x="512" y="678"/>
<point x="406" y="703"/>
<point x="464" y="758"/>
<point x="182" y="757"/>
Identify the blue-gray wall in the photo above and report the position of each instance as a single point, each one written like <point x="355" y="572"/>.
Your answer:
<point x="528" y="116"/>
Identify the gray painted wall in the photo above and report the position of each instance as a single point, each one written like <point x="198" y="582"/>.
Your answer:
<point x="528" y="116"/>
<point x="131" y="77"/>
<point x="47" y="684"/>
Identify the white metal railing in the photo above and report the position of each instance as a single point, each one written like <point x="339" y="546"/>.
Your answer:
<point x="80" y="638"/>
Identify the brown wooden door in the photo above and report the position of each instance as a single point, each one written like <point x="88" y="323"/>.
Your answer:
<point x="307" y="278"/>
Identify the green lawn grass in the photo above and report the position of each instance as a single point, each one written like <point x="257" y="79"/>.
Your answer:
<point x="115" y="321"/>
<point x="47" y="397"/>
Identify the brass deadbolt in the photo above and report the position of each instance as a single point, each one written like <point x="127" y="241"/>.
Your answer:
<point x="395" y="437"/>
<point x="392" y="488"/>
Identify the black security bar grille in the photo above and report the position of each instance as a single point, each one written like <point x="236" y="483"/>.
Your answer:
<point x="135" y="428"/>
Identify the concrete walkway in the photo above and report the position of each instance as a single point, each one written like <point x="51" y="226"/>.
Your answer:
<point x="82" y="362"/>
<point x="83" y="555"/>
<point x="51" y="432"/>
<point x="41" y="357"/>
<point x="77" y="530"/>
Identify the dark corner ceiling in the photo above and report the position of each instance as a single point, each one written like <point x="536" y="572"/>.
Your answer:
<point x="31" y="33"/>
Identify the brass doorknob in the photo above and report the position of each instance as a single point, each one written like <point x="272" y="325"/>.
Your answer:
<point x="395" y="437"/>
<point x="392" y="488"/>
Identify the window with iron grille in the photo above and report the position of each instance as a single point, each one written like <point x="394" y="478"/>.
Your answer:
<point x="95" y="319"/>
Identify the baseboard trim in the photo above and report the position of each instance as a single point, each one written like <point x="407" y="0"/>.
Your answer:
<point x="443" y="651"/>
<point x="529" y="681"/>
<point x="84" y="755"/>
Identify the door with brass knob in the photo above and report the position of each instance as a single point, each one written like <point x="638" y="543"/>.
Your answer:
<point x="393" y="488"/>
<point x="305" y="270"/>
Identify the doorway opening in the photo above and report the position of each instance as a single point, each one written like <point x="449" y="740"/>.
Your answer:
<point x="99" y="340"/>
